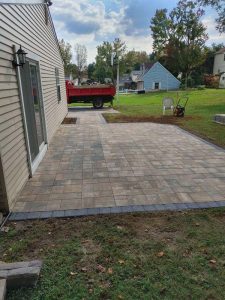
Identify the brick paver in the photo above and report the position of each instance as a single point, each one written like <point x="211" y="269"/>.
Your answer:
<point x="97" y="165"/>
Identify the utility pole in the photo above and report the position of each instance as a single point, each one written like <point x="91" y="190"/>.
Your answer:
<point x="115" y="61"/>
<point x="167" y="82"/>
<point x="118" y="80"/>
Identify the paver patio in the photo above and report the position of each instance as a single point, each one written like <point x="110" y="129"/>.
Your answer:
<point x="93" y="164"/>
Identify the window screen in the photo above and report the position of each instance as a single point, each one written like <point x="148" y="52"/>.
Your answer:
<point x="57" y="84"/>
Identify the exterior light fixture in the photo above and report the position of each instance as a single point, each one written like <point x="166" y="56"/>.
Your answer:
<point x="20" y="58"/>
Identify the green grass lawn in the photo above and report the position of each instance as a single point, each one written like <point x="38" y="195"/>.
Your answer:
<point x="202" y="106"/>
<point x="135" y="256"/>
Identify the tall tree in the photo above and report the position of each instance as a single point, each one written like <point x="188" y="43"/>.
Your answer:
<point x="210" y="54"/>
<point x="134" y="59"/>
<point x="66" y="53"/>
<point x="219" y="6"/>
<point x="179" y="37"/>
<point x="103" y="67"/>
<point x="91" y="70"/>
<point x="81" y="60"/>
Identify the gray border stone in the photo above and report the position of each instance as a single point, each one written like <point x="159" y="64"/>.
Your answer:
<point x="2" y="289"/>
<point x="114" y="210"/>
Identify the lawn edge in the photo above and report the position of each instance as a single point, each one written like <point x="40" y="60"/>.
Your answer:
<point x="84" y="212"/>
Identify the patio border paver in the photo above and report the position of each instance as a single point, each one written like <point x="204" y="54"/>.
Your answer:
<point x="23" y="216"/>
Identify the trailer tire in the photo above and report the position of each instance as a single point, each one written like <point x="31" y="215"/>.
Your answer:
<point x="98" y="103"/>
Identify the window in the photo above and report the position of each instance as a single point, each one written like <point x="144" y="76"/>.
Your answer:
<point x="58" y="84"/>
<point x="156" y="85"/>
<point x="224" y="57"/>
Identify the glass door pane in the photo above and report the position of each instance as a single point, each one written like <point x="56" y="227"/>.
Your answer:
<point x="29" y="110"/>
<point x="36" y="102"/>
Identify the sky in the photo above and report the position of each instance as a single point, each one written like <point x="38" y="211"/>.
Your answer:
<point x="90" y="22"/>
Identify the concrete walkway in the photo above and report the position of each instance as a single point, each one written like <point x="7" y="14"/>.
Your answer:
<point x="97" y="165"/>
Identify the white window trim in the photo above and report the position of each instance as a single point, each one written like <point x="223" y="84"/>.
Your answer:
<point x="153" y="85"/>
<point x="39" y="158"/>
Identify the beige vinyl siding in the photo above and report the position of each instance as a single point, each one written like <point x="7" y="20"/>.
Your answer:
<point x="3" y="198"/>
<point x="25" y="25"/>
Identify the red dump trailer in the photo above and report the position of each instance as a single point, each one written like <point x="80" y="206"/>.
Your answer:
<point x="95" y="94"/>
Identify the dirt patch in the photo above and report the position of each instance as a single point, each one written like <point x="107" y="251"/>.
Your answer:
<point x="69" y="121"/>
<point x="153" y="119"/>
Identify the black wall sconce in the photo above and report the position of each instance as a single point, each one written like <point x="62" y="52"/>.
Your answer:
<point x="19" y="58"/>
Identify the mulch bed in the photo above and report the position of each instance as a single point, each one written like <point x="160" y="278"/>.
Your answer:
<point x="152" y="119"/>
<point x="69" y="121"/>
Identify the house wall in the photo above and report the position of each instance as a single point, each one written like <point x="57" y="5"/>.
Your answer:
<point x="3" y="197"/>
<point x="222" y="81"/>
<point x="159" y="74"/>
<point x="140" y="85"/>
<point x="25" y="25"/>
<point x="219" y="64"/>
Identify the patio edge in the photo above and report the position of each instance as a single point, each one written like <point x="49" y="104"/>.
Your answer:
<point x="23" y="216"/>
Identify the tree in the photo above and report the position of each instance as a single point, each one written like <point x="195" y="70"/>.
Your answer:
<point x="179" y="37"/>
<point x="134" y="59"/>
<point x="210" y="54"/>
<point x="91" y="70"/>
<point x="103" y="67"/>
<point x="66" y="53"/>
<point x="81" y="59"/>
<point x="219" y="6"/>
<point x="73" y="70"/>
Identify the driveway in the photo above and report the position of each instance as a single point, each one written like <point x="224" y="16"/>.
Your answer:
<point x="97" y="165"/>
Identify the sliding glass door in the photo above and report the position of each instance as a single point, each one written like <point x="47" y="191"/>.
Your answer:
<point x="33" y="107"/>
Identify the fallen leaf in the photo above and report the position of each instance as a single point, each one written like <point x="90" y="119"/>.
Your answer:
<point x="121" y="261"/>
<point x="146" y="230"/>
<point x="101" y="269"/>
<point x="5" y="229"/>
<point x="73" y="274"/>
<point x="213" y="261"/>
<point x="120" y="297"/>
<point x="119" y="227"/>
<point x="84" y="269"/>
<point x="160" y="254"/>
<point x="110" y="270"/>
<point x="49" y="233"/>
<point x="197" y="224"/>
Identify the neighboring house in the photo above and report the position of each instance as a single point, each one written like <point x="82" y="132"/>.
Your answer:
<point x="69" y="77"/>
<point x="157" y="77"/>
<point x="219" y="66"/>
<point x="32" y="97"/>
<point x="152" y="77"/>
<point x="125" y="81"/>
<point x="136" y="74"/>
<point x="219" y="62"/>
<point x="222" y="81"/>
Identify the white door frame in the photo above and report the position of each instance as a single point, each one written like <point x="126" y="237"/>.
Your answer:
<point x="42" y="150"/>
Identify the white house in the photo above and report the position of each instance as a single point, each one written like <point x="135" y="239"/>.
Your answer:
<point x="32" y="92"/>
<point x="219" y="62"/>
